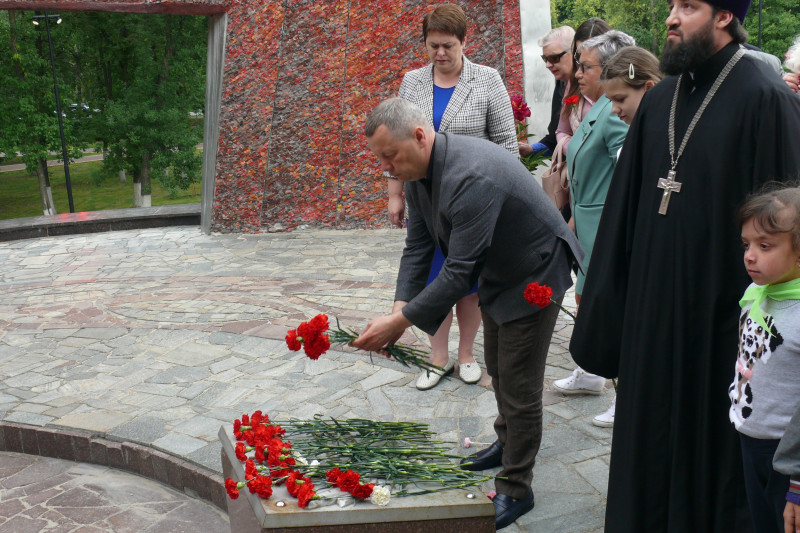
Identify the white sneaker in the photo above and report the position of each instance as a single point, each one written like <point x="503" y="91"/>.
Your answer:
<point x="580" y="382"/>
<point x="606" y="420"/>
<point x="428" y="379"/>
<point x="470" y="372"/>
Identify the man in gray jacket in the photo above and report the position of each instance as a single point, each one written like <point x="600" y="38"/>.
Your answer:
<point x="494" y="224"/>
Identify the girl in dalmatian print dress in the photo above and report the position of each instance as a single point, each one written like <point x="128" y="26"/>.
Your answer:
<point x="765" y="393"/>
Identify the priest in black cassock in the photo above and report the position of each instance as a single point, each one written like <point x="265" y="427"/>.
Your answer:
<point x="660" y="308"/>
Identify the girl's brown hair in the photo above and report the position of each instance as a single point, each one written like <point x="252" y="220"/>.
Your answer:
<point x="776" y="209"/>
<point x="636" y="61"/>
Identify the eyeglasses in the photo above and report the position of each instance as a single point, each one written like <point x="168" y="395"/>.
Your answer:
<point x="583" y="67"/>
<point x="555" y="58"/>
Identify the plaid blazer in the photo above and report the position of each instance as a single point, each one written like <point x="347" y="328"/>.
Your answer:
<point x="480" y="105"/>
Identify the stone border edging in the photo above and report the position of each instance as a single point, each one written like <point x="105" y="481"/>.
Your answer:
<point x="93" y="448"/>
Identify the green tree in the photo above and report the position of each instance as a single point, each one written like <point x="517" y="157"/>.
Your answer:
<point x="149" y="74"/>
<point x="780" y="23"/>
<point x="28" y="119"/>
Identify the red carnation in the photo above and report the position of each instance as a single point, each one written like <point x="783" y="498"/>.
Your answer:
<point x="571" y="100"/>
<point x="333" y="475"/>
<point x="319" y="323"/>
<point x="316" y="346"/>
<point x="519" y="108"/>
<point x="232" y="488"/>
<point x="250" y="469"/>
<point x="237" y="429"/>
<point x="291" y="483"/>
<point x="240" y="451"/>
<point x="291" y="340"/>
<point x="306" y="494"/>
<point x="263" y="486"/>
<point x="304" y="331"/>
<point x="257" y="418"/>
<point x="538" y="294"/>
<point x="363" y="491"/>
<point x="349" y="481"/>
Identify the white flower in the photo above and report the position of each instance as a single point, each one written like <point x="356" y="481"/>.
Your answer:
<point x="314" y="463"/>
<point x="380" y="495"/>
<point x="299" y="458"/>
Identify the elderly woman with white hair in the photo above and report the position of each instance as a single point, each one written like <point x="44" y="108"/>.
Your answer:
<point x="792" y="62"/>
<point x="557" y="58"/>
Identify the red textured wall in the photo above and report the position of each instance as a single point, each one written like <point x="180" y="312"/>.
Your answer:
<point x="299" y="78"/>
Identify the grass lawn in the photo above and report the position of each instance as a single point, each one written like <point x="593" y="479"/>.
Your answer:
<point x="19" y="192"/>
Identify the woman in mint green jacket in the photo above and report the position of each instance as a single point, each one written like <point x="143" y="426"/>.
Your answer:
<point x="592" y="153"/>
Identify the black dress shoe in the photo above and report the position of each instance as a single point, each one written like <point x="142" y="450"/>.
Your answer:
<point x="507" y="509"/>
<point x="491" y="457"/>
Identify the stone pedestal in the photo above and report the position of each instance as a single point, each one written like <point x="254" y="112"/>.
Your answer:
<point x="465" y="511"/>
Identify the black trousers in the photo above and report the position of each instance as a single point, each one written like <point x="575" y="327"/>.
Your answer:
<point x="515" y="354"/>
<point x="766" y="488"/>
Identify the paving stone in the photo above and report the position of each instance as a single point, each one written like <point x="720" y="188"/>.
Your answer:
<point x="141" y="429"/>
<point x="186" y="333"/>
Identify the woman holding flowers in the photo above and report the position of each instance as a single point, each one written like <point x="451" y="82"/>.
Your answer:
<point x="461" y="97"/>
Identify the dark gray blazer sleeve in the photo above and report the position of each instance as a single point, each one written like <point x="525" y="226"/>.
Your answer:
<point x="473" y="209"/>
<point x="787" y="456"/>
<point x="415" y="264"/>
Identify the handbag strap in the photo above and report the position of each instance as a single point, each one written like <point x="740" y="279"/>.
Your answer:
<point x="558" y="153"/>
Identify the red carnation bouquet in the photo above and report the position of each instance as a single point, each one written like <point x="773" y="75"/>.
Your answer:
<point x="521" y="111"/>
<point x="315" y="338"/>
<point x="401" y="456"/>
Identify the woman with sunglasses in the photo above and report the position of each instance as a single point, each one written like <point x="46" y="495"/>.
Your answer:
<point x="557" y="58"/>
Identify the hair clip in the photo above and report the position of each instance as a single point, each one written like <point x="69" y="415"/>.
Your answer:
<point x="631" y="73"/>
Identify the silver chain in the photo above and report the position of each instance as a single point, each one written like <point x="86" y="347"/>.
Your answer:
<point x="722" y="75"/>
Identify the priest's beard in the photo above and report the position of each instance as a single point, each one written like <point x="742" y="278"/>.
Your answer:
<point x="689" y="54"/>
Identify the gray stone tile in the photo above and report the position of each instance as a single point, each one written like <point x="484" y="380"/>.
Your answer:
<point x="143" y="429"/>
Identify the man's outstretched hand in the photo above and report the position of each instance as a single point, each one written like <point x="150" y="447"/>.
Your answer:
<point x="382" y="331"/>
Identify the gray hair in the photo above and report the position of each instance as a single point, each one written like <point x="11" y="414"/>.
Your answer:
<point x="562" y="34"/>
<point x="608" y="44"/>
<point x="399" y="116"/>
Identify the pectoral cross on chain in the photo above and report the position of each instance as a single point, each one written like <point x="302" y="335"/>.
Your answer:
<point x="669" y="185"/>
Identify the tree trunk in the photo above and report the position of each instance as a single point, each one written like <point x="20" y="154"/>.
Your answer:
<point x="122" y="177"/>
<point x="137" y="187"/>
<point x="146" y="195"/>
<point x="655" y="26"/>
<point x="45" y="192"/>
<point x="141" y="183"/>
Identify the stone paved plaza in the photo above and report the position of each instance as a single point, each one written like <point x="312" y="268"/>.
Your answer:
<point x="160" y="336"/>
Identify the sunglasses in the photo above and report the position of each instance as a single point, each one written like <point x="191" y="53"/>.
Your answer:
<point x="555" y="58"/>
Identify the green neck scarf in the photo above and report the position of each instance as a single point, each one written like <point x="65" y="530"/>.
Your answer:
<point x="758" y="293"/>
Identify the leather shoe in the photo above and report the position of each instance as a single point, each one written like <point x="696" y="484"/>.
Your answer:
<point x="491" y="457"/>
<point x="507" y="509"/>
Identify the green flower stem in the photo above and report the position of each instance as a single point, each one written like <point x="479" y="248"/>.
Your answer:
<point x="563" y="308"/>
<point x="405" y="355"/>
